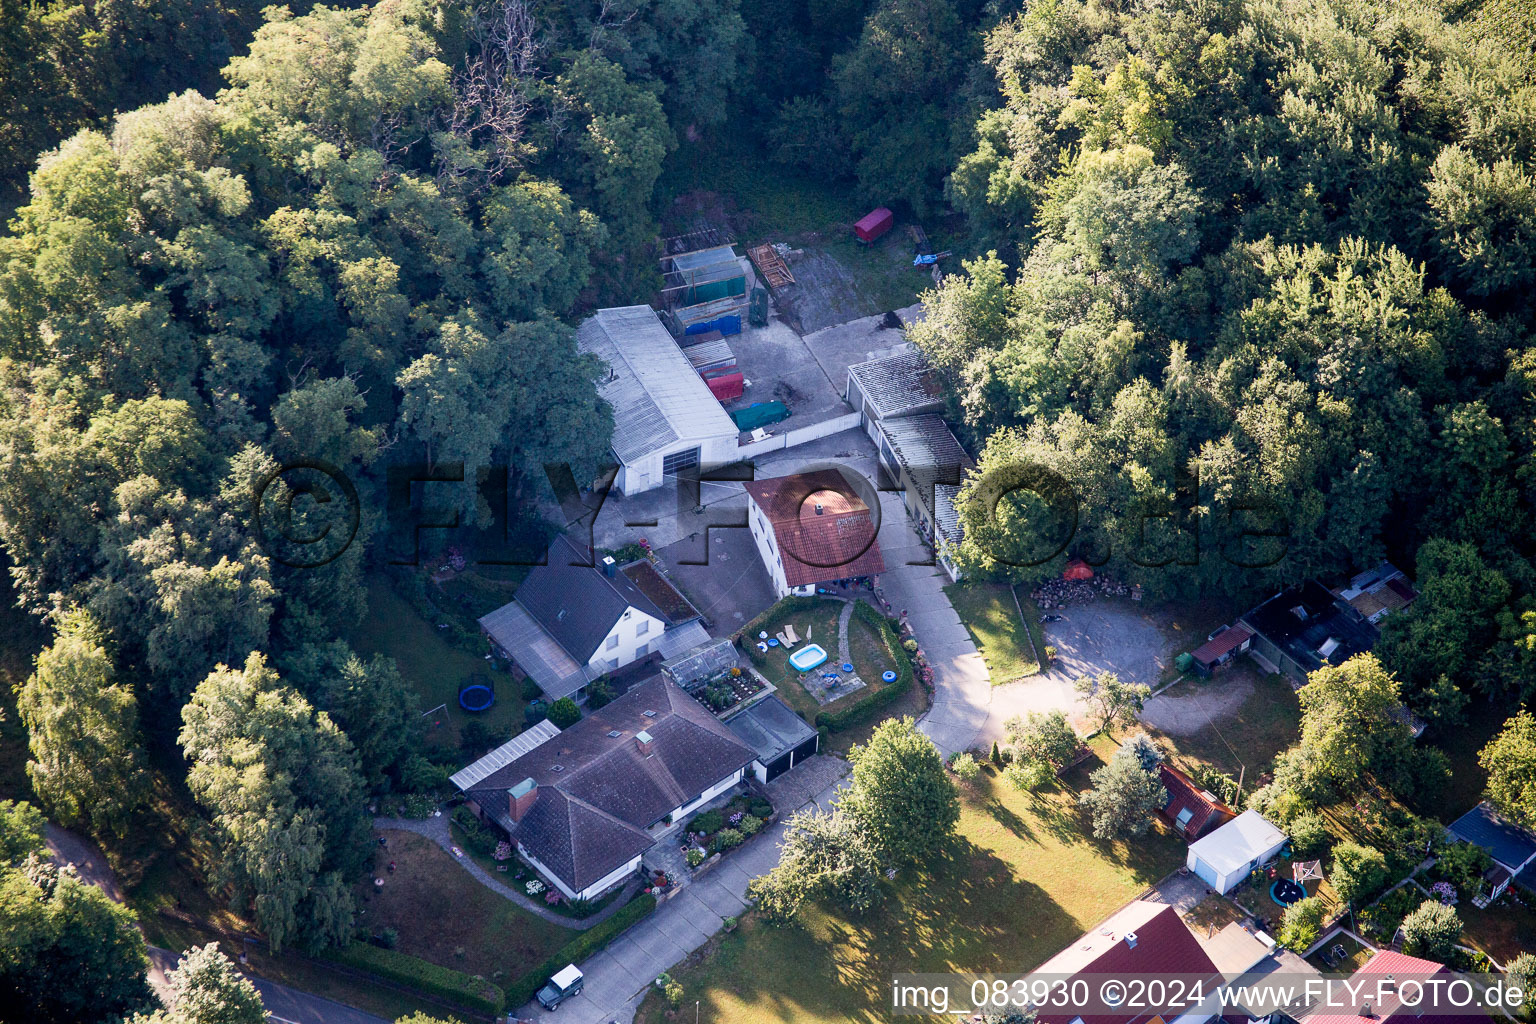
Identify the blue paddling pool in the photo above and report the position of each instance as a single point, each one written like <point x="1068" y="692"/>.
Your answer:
<point x="807" y="658"/>
<point x="847" y="666"/>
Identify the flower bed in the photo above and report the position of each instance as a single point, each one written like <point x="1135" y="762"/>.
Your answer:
<point x="725" y="828"/>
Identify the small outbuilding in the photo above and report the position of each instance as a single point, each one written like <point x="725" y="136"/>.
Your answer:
<point x="778" y="735"/>
<point x="1512" y="848"/>
<point x="874" y="224"/>
<point x="1223" y="858"/>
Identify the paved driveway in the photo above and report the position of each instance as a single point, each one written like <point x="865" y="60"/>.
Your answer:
<point x="1101" y="636"/>
<point x="617" y="977"/>
<point x="962" y="688"/>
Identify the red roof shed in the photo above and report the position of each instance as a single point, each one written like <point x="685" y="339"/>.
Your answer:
<point x="726" y="386"/>
<point x="874" y="224"/>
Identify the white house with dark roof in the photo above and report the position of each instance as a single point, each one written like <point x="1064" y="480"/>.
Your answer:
<point x="571" y="622"/>
<point x="583" y="805"/>
<point x="665" y="418"/>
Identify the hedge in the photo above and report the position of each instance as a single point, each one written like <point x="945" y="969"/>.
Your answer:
<point x="578" y="949"/>
<point x="836" y="720"/>
<point x="455" y="986"/>
<point x="787" y="606"/>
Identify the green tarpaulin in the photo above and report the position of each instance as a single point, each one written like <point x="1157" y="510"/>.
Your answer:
<point x="759" y="414"/>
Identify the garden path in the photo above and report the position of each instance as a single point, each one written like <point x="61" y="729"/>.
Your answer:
<point x="436" y="829"/>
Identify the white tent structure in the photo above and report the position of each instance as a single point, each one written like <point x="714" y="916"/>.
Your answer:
<point x="1224" y="857"/>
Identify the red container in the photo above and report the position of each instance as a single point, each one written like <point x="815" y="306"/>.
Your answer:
<point x="874" y="224"/>
<point x="727" y="387"/>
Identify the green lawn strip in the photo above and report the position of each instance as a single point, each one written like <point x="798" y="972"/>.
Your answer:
<point x="579" y="948"/>
<point x="1023" y="881"/>
<point x="1032" y="623"/>
<point x="989" y="614"/>
<point x="515" y="864"/>
<point x="1267" y="722"/>
<point x="1503" y="932"/>
<point x="868" y="650"/>
<point x="443" y="915"/>
<point x="435" y="668"/>
<point x="1462" y="745"/>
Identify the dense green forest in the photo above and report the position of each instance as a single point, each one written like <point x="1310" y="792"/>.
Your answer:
<point x="1260" y="267"/>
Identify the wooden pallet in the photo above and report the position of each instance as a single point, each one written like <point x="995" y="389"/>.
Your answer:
<point x="771" y="265"/>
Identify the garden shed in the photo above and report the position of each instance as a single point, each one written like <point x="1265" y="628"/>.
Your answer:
<point x="1223" y="858"/>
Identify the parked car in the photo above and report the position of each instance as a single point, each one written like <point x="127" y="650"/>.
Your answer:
<point x="567" y="982"/>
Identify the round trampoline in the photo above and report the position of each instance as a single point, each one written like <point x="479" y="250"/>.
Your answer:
<point x="847" y="666"/>
<point x="476" y="697"/>
<point x="887" y="676"/>
<point x="1285" y="892"/>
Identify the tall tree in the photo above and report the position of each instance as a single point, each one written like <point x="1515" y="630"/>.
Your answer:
<point x="280" y="781"/>
<point x="87" y="765"/>
<point x="899" y="794"/>
<point x="1510" y="761"/>
<point x="207" y="989"/>
<point x="1124" y="795"/>
<point x="67" y="952"/>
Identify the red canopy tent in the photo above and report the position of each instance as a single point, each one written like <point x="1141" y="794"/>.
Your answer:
<point x="1077" y="569"/>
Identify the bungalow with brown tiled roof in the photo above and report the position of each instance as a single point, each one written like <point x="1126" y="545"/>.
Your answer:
<point x="583" y="805"/>
<point x="812" y="528"/>
<point x="1191" y="809"/>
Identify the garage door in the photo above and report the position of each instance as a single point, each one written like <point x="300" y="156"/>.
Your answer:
<point x="679" y="461"/>
<point x="1207" y="873"/>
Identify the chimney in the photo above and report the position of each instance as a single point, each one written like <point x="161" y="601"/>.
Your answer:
<point x="609" y="565"/>
<point x="1391" y="984"/>
<point x="520" y="799"/>
<point x="818" y="508"/>
<point x="1365" y="1011"/>
<point x="644" y="742"/>
<point x="1130" y="939"/>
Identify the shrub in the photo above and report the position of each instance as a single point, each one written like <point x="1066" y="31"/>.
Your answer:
<point x="964" y="766"/>
<point x="759" y="808"/>
<point x="1359" y="872"/>
<point x="674" y="994"/>
<point x="1050" y="655"/>
<point x="564" y="713"/>
<point x="707" y="823"/>
<point x="1431" y="931"/>
<point x="455" y="986"/>
<point x="750" y="825"/>
<point x="1303" y="923"/>
<point x="417" y="805"/>
<point x="535" y="713"/>
<point x="1028" y="774"/>
<point x="1462" y="865"/>
<point x="418" y="775"/>
<point x="531" y="690"/>
<point x="1309" y="835"/>
<point x="997" y="755"/>
<point x="599" y="693"/>
<point x="909" y="645"/>
<point x="475" y="735"/>
<point x="389" y="938"/>
<point x="1381" y="919"/>
<point x="729" y="923"/>
<point x="728" y="839"/>
<point x="694" y="856"/>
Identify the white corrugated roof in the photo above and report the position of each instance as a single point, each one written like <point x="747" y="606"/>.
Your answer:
<point x="505" y="754"/>
<point x="1244" y="839"/>
<point x="657" y="396"/>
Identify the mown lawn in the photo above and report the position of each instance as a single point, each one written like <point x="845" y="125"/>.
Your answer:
<point x="435" y="668"/>
<point x="1024" y="878"/>
<point x="988" y="611"/>
<point x="1501" y="932"/>
<point x="444" y="916"/>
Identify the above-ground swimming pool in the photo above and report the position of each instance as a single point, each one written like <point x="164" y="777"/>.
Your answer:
<point x="807" y="658"/>
<point x="1285" y="892"/>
